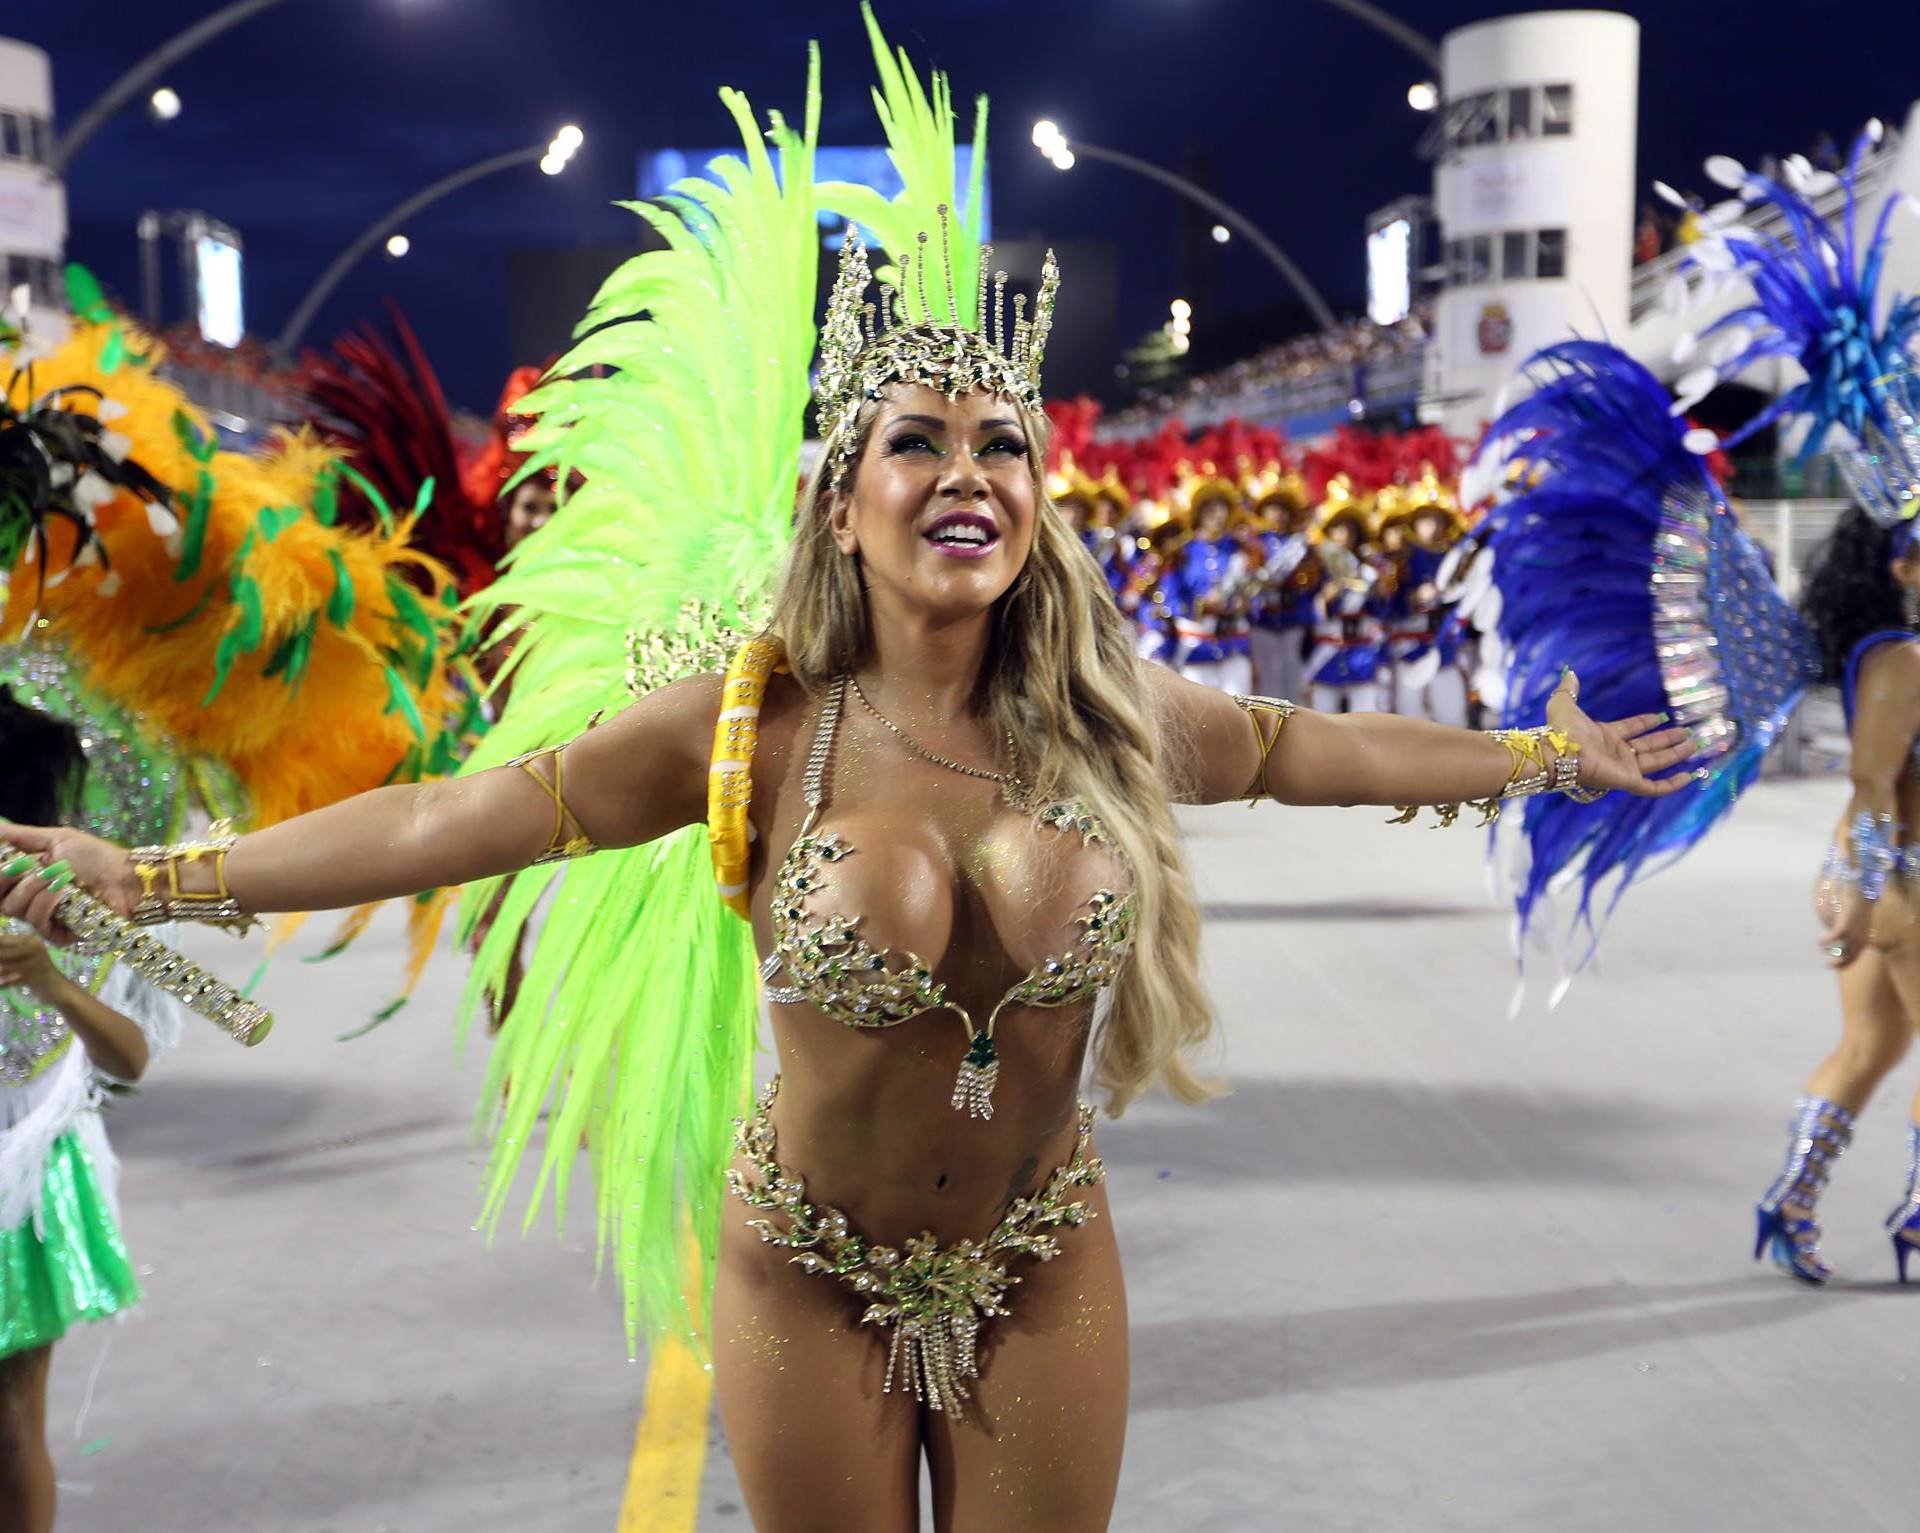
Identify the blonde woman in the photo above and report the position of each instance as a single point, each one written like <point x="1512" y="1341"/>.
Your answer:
<point x="940" y="786"/>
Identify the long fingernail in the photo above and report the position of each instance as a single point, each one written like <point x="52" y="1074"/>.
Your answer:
<point x="61" y="879"/>
<point x="17" y="866"/>
<point x="54" y="869"/>
<point x="1666" y="718"/>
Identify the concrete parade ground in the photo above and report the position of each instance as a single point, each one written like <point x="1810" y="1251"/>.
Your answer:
<point x="1428" y="1267"/>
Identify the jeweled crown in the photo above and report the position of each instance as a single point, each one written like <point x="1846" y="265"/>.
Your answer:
<point x="916" y="329"/>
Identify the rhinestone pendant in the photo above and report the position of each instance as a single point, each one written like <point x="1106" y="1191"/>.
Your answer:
<point x="973" y="1087"/>
<point x="934" y="1355"/>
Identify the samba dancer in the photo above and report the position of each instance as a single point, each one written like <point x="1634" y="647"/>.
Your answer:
<point x="1670" y="601"/>
<point x="72" y="1029"/>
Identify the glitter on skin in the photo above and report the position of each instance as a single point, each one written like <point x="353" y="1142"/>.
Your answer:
<point x="762" y="1346"/>
<point x="1089" y="1325"/>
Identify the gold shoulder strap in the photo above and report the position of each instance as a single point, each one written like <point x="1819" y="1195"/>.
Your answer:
<point x="730" y="770"/>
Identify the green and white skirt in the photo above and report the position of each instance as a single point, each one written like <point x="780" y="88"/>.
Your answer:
<point x="67" y="1264"/>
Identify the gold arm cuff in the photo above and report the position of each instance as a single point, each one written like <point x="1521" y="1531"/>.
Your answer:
<point x="1252" y="704"/>
<point x="560" y="846"/>
<point x="1531" y="772"/>
<point x="164" y="898"/>
<point x="98" y="930"/>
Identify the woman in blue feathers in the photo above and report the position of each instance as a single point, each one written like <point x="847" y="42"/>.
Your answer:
<point x="1862" y="600"/>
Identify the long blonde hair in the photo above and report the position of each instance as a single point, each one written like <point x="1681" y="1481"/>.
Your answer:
<point x="1060" y="674"/>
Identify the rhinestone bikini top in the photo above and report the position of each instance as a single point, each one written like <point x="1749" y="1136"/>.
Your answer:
<point x="833" y="967"/>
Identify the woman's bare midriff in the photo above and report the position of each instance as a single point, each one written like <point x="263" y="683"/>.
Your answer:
<point x="867" y="1118"/>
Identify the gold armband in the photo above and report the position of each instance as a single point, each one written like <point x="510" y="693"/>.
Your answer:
<point x="560" y="846"/>
<point x="174" y="902"/>
<point x="1531" y="772"/>
<point x="1254" y="705"/>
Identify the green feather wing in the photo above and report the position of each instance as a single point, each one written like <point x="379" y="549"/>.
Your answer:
<point x="633" y="1030"/>
<point x="689" y="445"/>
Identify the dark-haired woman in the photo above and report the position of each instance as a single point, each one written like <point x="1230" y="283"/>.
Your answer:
<point x="1863" y="600"/>
<point x="66" y="1028"/>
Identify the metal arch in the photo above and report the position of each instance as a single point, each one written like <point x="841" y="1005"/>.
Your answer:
<point x="143" y="73"/>
<point x="1232" y="218"/>
<point x="343" y="263"/>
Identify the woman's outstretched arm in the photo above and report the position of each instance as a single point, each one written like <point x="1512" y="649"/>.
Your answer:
<point x="1381" y="758"/>
<point x="632" y="779"/>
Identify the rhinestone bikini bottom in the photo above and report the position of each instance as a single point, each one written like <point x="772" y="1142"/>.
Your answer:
<point x="932" y="1299"/>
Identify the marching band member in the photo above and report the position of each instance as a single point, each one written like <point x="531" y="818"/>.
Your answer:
<point x="1435" y="669"/>
<point x="1112" y="539"/>
<point x="1204" y="591"/>
<point x="1343" y="671"/>
<point x="1388" y="600"/>
<point x="1143" y="596"/>
<point x="1290" y="576"/>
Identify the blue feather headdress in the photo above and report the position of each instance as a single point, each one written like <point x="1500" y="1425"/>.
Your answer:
<point x="1815" y="293"/>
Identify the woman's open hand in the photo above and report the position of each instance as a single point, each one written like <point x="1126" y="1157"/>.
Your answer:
<point x="51" y="857"/>
<point x="1624" y="754"/>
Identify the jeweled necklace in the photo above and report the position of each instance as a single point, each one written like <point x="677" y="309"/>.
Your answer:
<point x="1010" y="781"/>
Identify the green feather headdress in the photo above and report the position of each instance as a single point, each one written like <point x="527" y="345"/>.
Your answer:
<point x="928" y="322"/>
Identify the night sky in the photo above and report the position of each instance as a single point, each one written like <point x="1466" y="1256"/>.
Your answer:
<point x="307" y="122"/>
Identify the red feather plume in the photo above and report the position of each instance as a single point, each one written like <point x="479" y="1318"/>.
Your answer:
<point x="380" y="400"/>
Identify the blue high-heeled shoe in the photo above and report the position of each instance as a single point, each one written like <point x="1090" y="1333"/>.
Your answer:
<point x="1821" y="1131"/>
<point x="1903" y="1224"/>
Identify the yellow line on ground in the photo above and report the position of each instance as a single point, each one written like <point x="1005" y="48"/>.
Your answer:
<point x="670" y="1446"/>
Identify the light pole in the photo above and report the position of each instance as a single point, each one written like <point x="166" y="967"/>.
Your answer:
<point x="1418" y="44"/>
<point x="137" y="78"/>
<point x="1051" y="142"/>
<point x="1422" y="95"/>
<point x="552" y="158"/>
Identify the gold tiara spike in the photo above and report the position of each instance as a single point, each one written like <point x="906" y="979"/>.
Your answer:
<point x="914" y="333"/>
